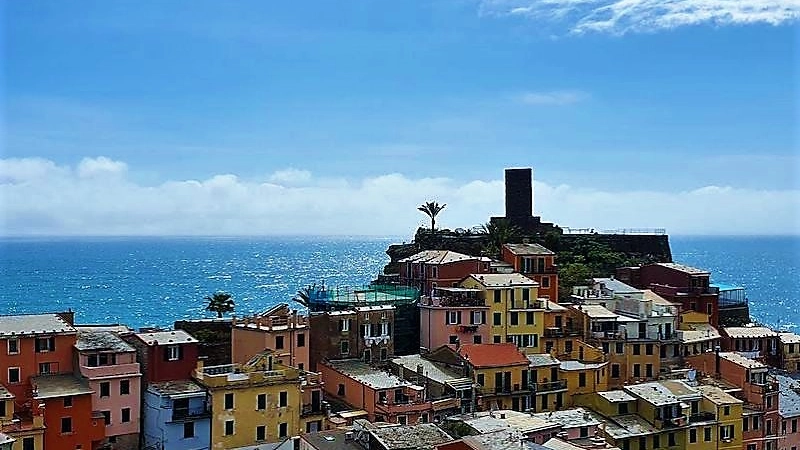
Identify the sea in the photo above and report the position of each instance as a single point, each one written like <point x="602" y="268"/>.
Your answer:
<point x="153" y="281"/>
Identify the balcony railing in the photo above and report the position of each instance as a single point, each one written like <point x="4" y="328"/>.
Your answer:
<point x="402" y="407"/>
<point x="704" y="416"/>
<point x="186" y="414"/>
<point x="562" y="332"/>
<point x="312" y="410"/>
<point x="549" y="386"/>
<point x="503" y="390"/>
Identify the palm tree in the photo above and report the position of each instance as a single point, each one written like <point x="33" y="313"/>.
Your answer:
<point x="432" y="209"/>
<point x="220" y="303"/>
<point x="499" y="232"/>
<point x="303" y="296"/>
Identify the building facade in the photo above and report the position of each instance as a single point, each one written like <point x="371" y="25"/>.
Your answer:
<point x="176" y="416"/>
<point x="535" y="262"/>
<point x="365" y="332"/>
<point x="279" y="329"/>
<point x="453" y="315"/>
<point x="430" y="269"/>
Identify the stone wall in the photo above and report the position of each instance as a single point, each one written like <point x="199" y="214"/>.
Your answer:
<point x="214" y="336"/>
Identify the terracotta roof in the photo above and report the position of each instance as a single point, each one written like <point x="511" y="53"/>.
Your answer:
<point x="493" y="355"/>
<point x="749" y="332"/>
<point x="438" y="257"/>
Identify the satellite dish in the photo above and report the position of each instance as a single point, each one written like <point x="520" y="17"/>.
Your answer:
<point x="691" y="375"/>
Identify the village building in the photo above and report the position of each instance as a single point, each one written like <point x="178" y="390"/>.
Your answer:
<point x="453" y="315"/>
<point x="364" y="332"/>
<point x="430" y="269"/>
<point x="535" y="262"/>
<point x="279" y="329"/>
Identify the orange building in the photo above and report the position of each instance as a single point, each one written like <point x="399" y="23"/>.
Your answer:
<point x="68" y="415"/>
<point x="537" y="263"/>
<point x="279" y="329"/>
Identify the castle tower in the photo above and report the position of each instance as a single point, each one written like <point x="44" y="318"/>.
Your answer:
<point x="519" y="193"/>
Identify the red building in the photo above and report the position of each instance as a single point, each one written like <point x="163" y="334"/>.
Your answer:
<point x="70" y="420"/>
<point x="165" y="355"/>
<point x="678" y="283"/>
<point x="537" y="263"/>
<point x="439" y="268"/>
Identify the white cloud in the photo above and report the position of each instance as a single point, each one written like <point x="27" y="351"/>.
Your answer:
<point x="556" y="98"/>
<point x="624" y="16"/>
<point x="290" y="176"/>
<point x="100" y="166"/>
<point x="41" y="197"/>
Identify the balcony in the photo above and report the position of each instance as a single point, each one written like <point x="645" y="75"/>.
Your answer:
<point x="111" y="370"/>
<point x="314" y="410"/>
<point x="549" y="386"/>
<point x="469" y="329"/>
<point x="453" y="301"/>
<point x="391" y="408"/>
<point x="190" y="414"/>
<point x="556" y="332"/>
<point x="446" y="403"/>
<point x="704" y="416"/>
<point x="489" y="391"/>
<point x="673" y="422"/>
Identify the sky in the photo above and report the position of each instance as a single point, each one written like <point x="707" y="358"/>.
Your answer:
<point x="252" y="118"/>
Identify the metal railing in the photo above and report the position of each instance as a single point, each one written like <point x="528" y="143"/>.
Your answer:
<point x="549" y="386"/>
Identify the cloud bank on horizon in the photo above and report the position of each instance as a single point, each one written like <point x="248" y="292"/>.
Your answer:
<point x="619" y="17"/>
<point x="98" y="196"/>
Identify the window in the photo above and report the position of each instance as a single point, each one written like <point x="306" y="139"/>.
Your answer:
<point x="756" y="423"/>
<point x="529" y="319"/>
<point x="44" y="368"/>
<point x="344" y="325"/>
<point x="229" y="400"/>
<point x="261" y="433"/>
<point x="707" y="434"/>
<point x="13" y="346"/>
<point x="106" y="417"/>
<point x="340" y="390"/>
<point x="28" y="443"/>
<point x="642" y="443"/>
<point x="615" y="371"/>
<point x="708" y="309"/>
<point x="606" y="347"/>
<point x="105" y="389"/>
<point x="648" y="349"/>
<point x="693" y="435"/>
<point x="402" y="420"/>
<point x="545" y="282"/>
<point x="45" y="344"/>
<point x="476" y="339"/>
<point x="671" y="439"/>
<point x="126" y="415"/>
<point x="124" y="387"/>
<point x="282" y="430"/>
<point x="752" y="447"/>
<point x="582" y="379"/>
<point x="496" y="339"/>
<point x="726" y="410"/>
<point x="453" y="339"/>
<point x="283" y="399"/>
<point x="794" y="425"/>
<point x="526" y="295"/>
<point x="623" y="408"/>
<point x="497" y="318"/>
<point x="497" y="296"/>
<point x="648" y="370"/>
<point x="278" y="342"/>
<point x="385" y="353"/>
<point x="188" y="430"/>
<point x="726" y="432"/>
<point x="769" y="401"/>
<point x="261" y="402"/>
<point x="68" y="401"/>
<point x="13" y="374"/>
<point x="584" y="432"/>
<point x="656" y="441"/>
<point x="301" y="340"/>
<point x="452" y="317"/>
<point x="514" y="318"/>
<point x="619" y="348"/>
<point x="637" y="370"/>
<point x="568" y="346"/>
<point x="637" y="350"/>
<point x="746" y="424"/>
<point x="481" y="379"/>
<point x="66" y="425"/>
<point x="228" y="427"/>
<point x="173" y="353"/>
<point x="345" y="347"/>
<point x="477" y="317"/>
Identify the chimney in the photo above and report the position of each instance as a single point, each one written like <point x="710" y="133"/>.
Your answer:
<point x="67" y="316"/>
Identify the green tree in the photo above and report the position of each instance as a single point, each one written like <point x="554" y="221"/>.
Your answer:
<point x="499" y="232"/>
<point x="303" y="296"/>
<point x="570" y="275"/>
<point x="220" y="303"/>
<point x="432" y="209"/>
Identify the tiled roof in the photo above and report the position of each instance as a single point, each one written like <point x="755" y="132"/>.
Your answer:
<point x="421" y="436"/>
<point x="528" y="249"/>
<point x="501" y="280"/>
<point x="492" y="355"/>
<point x="717" y="395"/>
<point x="30" y="324"/>
<point x="618" y="287"/>
<point x="176" y="387"/>
<point x="543" y="360"/>
<point x="788" y="396"/>
<point x="749" y="332"/>
<point x="166" y="337"/>
<point x="700" y="332"/>
<point x="435" y="372"/>
<point x="617" y="395"/>
<point x="684" y="268"/>
<point x="437" y="257"/>
<point x="789" y="338"/>
<point x="742" y="360"/>
<point x="101" y="340"/>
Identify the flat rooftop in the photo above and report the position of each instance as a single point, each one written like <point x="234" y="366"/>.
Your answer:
<point x="431" y="370"/>
<point x="490" y="421"/>
<point x="436" y="257"/>
<point x="52" y="386"/>
<point x="684" y="268"/>
<point x="502" y="440"/>
<point x="101" y="341"/>
<point x="742" y="360"/>
<point x="616" y="396"/>
<point x="177" y="387"/>
<point x="631" y="425"/>
<point x="543" y="360"/>
<point x="331" y="440"/>
<point x="423" y="436"/>
<point x="503" y="280"/>
<point x="166" y="337"/>
<point x="749" y="332"/>
<point x="571" y="418"/>
<point x="367" y="375"/>
<point x="661" y="393"/>
<point x="717" y="396"/>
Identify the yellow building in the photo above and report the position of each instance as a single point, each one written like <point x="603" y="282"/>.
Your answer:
<point x="583" y="378"/>
<point x="789" y="351"/>
<point x="256" y="402"/>
<point x="727" y="410"/>
<point x="501" y="374"/>
<point x="548" y="389"/>
<point x="27" y="430"/>
<point x="516" y="314"/>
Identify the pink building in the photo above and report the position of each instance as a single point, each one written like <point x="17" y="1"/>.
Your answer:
<point x="109" y="363"/>
<point x="452" y="315"/>
<point x="279" y="329"/>
<point x="385" y="397"/>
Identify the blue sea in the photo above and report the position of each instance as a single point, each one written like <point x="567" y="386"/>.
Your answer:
<point x="155" y="281"/>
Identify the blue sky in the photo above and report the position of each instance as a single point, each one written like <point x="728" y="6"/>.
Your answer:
<point x="621" y="108"/>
